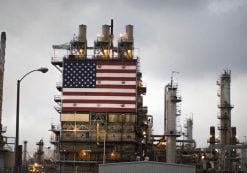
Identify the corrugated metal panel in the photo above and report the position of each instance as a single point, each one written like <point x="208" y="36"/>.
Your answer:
<point x="146" y="167"/>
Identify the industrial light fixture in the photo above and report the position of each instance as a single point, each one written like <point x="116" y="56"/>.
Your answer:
<point x="17" y="148"/>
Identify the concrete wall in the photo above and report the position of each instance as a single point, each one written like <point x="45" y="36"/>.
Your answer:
<point x="145" y="167"/>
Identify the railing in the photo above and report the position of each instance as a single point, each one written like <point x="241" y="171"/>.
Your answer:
<point x="176" y="98"/>
<point x="55" y="127"/>
<point x="222" y="127"/>
<point x="143" y="110"/>
<point x="59" y="85"/>
<point x="225" y="105"/>
<point x="57" y="98"/>
<point x="57" y="59"/>
<point x="4" y="129"/>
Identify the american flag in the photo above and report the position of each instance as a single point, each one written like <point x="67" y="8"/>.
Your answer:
<point x="99" y="86"/>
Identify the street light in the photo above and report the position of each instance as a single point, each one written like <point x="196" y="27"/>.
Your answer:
<point x="17" y="156"/>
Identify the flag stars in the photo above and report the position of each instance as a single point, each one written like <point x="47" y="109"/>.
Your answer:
<point x="79" y="74"/>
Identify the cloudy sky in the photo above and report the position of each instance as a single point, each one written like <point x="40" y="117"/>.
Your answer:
<point x="197" y="38"/>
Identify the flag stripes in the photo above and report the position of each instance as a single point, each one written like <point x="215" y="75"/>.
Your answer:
<point x="99" y="86"/>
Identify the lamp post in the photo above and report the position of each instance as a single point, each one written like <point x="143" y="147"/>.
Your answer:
<point x="17" y="155"/>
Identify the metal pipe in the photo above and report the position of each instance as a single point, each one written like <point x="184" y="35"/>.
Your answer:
<point x="104" y="147"/>
<point x="165" y="110"/>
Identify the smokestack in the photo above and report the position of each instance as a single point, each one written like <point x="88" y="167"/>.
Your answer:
<point x="106" y="33"/>
<point x="2" y="61"/>
<point x="82" y="33"/>
<point x="129" y="33"/>
<point x="25" y="153"/>
<point x="212" y="135"/>
<point x="112" y="28"/>
<point x="3" y="42"/>
<point x="234" y="136"/>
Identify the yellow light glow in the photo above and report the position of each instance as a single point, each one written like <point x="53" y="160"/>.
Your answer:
<point x="81" y="51"/>
<point x="106" y="52"/>
<point x="75" y="129"/>
<point x="129" y="53"/>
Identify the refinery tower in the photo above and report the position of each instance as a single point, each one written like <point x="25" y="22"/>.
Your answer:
<point x="2" y="61"/>
<point x="102" y="117"/>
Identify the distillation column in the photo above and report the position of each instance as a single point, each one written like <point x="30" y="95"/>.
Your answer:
<point x="189" y="125"/>
<point x="171" y="100"/>
<point x="225" y="108"/>
<point x="225" y="130"/>
<point x="40" y="152"/>
<point x="189" y="131"/>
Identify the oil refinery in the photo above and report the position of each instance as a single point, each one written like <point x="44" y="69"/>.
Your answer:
<point x="103" y="119"/>
<point x="104" y="125"/>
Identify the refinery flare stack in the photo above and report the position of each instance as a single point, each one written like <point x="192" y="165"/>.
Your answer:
<point x="101" y="111"/>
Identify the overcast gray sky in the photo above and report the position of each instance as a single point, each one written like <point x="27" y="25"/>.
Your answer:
<point x="197" y="38"/>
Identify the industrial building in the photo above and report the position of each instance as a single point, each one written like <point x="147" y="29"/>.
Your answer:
<point x="101" y="111"/>
<point x="103" y="119"/>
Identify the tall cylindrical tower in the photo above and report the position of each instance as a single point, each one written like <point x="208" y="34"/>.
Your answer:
<point x="2" y="60"/>
<point x="189" y="125"/>
<point x="25" y="153"/>
<point x="171" y="100"/>
<point x="225" y="107"/>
